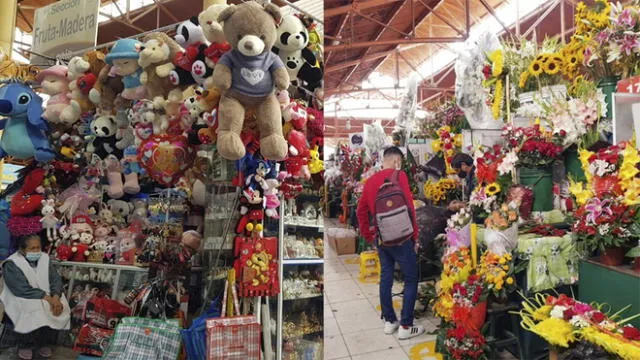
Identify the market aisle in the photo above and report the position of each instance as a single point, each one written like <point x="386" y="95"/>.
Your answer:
<point x="353" y="328"/>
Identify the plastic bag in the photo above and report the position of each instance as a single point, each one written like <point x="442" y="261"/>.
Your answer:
<point x="92" y="340"/>
<point x="104" y="312"/>
<point x="501" y="242"/>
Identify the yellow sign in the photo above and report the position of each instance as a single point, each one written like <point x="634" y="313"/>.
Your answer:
<point x="63" y="27"/>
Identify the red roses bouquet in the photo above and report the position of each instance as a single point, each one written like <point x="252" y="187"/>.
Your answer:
<point x="535" y="147"/>
<point x="604" y="223"/>
<point x="463" y="343"/>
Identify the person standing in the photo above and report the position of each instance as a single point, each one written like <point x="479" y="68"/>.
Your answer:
<point x="32" y="298"/>
<point x="387" y="198"/>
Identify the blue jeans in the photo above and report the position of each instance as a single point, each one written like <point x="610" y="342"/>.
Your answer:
<point x="405" y="256"/>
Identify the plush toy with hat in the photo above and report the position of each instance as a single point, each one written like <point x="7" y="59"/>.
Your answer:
<point x="248" y="76"/>
<point x="55" y="84"/>
<point x="123" y="59"/>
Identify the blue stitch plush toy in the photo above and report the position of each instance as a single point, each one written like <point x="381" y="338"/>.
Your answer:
<point x="24" y="128"/>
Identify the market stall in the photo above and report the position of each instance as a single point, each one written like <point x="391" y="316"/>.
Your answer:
<point x="170" y="186"/>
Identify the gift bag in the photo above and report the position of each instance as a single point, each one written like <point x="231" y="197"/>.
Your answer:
<point x="104" y="312"/>
<point x="257" y="266"/>
<point x="142" y="339"/>
<point x="92" y="340"/>
<point x="236" y="337"/>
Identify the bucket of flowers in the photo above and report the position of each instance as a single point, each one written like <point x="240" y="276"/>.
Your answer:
<point x="604" y="225"/>
<point x="494" y="169"/>
<point x="501" y="234"/>
<point x="499" y="274"/>
<point x="563" y="321"/>
<point x="536" y="150"/>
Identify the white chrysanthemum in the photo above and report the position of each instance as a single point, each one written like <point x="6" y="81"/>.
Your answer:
<point x="558" y="312"/>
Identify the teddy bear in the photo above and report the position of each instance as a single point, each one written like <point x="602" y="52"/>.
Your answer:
<point x="124" y="60"/>
<point x="155" y="59"/>
<point x="125" y="133"/>
<point x="80" y="247"/>
<point x="82" y="73"/>
<point x="291" y="46"/>
<point x="104" y="127"/>
<point x="213" y="32"/>
<point x="110" y="253"/>
<point x="127" y="249"/>
<point x="105" y="92"/>
<point x="198" y="115"/>
<point x="247" y="76"/>
<point x="189" y="35"/>
<point x="121" y="210"/>
<point x="54" y="83"/>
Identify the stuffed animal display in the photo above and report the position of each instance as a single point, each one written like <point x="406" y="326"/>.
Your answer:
<point x="121" y="161"/>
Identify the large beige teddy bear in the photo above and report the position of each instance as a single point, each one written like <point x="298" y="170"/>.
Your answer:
<point x="155" y="59"/>
<point x="213" y="31"/>
<point x="248" y="76"/>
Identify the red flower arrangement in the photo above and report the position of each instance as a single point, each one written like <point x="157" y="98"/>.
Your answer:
<point x="463" y="343"/>
<point x="487" y="165"/>
<point x="603" y="223"/>
<point x="535" y="147"/>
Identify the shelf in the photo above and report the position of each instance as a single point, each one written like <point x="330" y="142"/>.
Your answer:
<point x="303" y="298"/>
<point x="101" y="266"/>
<point x="312" y="226"/>
<point x="303" y="261"/>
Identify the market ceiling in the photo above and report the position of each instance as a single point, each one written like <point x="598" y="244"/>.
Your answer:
<point x="354" y="30"/>
<point x="160" y="13"/>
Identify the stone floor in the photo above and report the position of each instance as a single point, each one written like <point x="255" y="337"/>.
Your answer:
<point x="60" y="353"/>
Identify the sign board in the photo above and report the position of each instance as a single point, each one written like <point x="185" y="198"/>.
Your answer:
<point x="356" y="140"/>
<point x="63" y="27"/>
<point x="630" y="85"/>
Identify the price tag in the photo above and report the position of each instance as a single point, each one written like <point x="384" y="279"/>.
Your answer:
<point x="630" y="85"/>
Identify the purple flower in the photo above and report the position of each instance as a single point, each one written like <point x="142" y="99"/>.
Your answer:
<point x="596" y="208"/>
<point x="629" y="44"/>
<point x="626" y="19"/>
<point x="588" y="56"/>
<point x="603" y="36"/>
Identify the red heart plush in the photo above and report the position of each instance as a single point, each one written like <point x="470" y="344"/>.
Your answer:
<point x="166" y="157"/>
<point x="27" y="201"/>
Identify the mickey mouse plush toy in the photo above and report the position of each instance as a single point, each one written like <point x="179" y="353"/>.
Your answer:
<point x="291" y="46"/>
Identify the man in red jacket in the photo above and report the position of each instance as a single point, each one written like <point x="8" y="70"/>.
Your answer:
<point x="404" y="254"/>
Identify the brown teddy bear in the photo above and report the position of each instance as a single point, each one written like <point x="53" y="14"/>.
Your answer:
<point x="106" y="89"/>
<point x="247" y="76"/>
<point x="155" y="60"/>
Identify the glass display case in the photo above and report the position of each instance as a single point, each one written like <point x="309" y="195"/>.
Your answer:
<point x="299" y="315"/>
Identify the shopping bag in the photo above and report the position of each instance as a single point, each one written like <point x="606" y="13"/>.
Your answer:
<point x="233" y="338"/>
<point x="92" y="340"/>
<point x="105" y="312"/>
<point x="142" y="339"/>
<point x="195" y="337"/>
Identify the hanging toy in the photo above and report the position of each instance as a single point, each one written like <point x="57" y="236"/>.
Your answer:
<point x="316" y="165"/>
<point x="165" y="158"/>
<point x="55" y="84"/>
<point x="24" y="128"/>
<point x="124" y="60"/>
<point x="252" y="211"/>
<point x="49" y="220"/>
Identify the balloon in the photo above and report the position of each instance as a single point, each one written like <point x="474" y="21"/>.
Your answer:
<point x="166" y="157"/>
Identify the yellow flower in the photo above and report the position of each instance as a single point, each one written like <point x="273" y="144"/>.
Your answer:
<point x="542" y="312"/>
<point x="503" y="274"/>
<point x="506" y="267"/>
<point x="551" y="67"/>
<point x="498" y="287"/>
<point x="584" y="156"/>
<point x="508" y="256"/>
<point x="510" y="280"/>
<point x="523" y="79"/>
<point x="503" y="261"/>
<point x="556" y="331"/>
<point x="457" y="140"/>
<point x="496" y="107"/>
<point x="498" y="62"/>
<point x="535" y="68"/>
<point x="436" y="146"/>
<point x="632" y="194"/>
<point x="611" y="343"/>
<point x="492" y="189"/>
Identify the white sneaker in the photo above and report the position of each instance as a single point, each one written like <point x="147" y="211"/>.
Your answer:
<point x="404" y="334"/>
<point x="391" y="327"/>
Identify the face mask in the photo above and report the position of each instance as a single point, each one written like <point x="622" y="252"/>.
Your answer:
<point x="462" y="174"/>
<point x="33" y="257"/>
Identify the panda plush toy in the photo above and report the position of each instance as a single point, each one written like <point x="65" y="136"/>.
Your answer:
<point x="190" y="36"/>
<point x="104" y="127"/>
<point x="291" y="46"/>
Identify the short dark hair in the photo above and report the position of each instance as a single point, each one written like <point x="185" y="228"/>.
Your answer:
<point x="22" y="242"/>
<point x="393" y="151"/>
<point x="461" y="158"/>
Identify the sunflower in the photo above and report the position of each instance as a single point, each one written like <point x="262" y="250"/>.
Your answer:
<point x="492" y="189"/>
<point x="523" y="79"/>
<point x="551" y="67"/>
<point x="535" y="68"/>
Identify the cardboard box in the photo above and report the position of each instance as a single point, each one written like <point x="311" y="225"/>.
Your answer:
<point x="345" y="245"/>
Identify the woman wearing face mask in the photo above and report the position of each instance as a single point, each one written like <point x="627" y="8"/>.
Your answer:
<point x="33" y="299"/>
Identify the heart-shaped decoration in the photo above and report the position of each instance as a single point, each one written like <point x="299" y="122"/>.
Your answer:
<point x="166" y="157"/>
<point x="253" y="77"/>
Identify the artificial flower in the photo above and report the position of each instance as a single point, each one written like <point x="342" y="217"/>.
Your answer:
<point x="542" y="313"/>
<point x="492" y="189"/>
<point x="556" y="331"/>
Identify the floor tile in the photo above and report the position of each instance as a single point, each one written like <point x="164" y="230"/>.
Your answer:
<point x="347" y="293"/>
<point x="370" y="341"/>
<point x="334" y="347"/>
<point x="352" y="307"/>
<point x="332" y="276"/>
<point x="331" y="327"/>
<point x="351" y="323"/>
<point x="423" y="351"/>
<point x="395" y="354"/>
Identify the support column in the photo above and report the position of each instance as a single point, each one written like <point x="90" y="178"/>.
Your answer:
<point x="7" y="24"/>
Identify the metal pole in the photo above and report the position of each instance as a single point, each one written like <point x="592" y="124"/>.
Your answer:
<point x="563" y="26"/>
